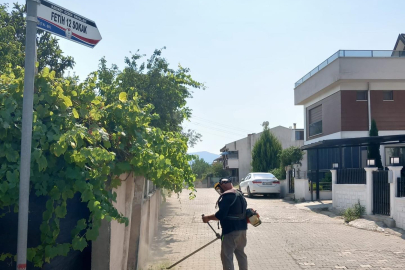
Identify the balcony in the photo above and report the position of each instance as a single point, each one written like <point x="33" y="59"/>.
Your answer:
<point x="351" y="65"/>
<point x="346" y="53"/>
<point x="232" y="163"/>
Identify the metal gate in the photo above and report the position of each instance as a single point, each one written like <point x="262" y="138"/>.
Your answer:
<point x="381" y="193"/>
<point x="290" y="182"/>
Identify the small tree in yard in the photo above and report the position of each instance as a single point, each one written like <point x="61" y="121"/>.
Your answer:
<point x="265" y="154"/>
<point x="374" y="150"/>
<point x="217" y="170"/>
<point x="289" y="156"/>
<point x="200" y="168"/>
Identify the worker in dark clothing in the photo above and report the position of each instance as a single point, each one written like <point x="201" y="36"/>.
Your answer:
<point x="232" y="216"/>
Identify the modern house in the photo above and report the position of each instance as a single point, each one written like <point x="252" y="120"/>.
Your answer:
<point x="340" y="98"/>
<point x="237" y="155"/>
<point x="344" y="93"/>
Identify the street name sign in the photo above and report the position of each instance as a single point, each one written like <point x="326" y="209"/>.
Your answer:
<point x="67" y="24"/>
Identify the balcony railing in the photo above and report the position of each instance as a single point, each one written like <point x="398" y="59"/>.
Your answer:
<point x="349" y="53"/>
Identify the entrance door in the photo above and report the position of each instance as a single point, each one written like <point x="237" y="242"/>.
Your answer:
<point x="381" y="193"/>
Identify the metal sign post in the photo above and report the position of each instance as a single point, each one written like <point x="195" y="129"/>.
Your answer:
<point x="64" y="23"/>
<point x="26" y="133"/>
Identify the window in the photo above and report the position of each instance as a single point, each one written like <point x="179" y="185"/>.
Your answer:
<point x="388" y="95"/>
<point x="362" y="96"/>
<point x="299" y="135"/>
<point x="315" y="121"/>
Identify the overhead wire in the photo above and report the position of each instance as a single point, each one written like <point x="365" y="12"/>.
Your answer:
<point x="204" y="131"/>
<point x="220" y="124"/>
<point x="216" y="129"/>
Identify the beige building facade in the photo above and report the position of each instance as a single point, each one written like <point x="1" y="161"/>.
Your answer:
<point x="237" y="155"/>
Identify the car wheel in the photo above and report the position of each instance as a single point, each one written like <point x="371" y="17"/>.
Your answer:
<point x="250" y="195"/>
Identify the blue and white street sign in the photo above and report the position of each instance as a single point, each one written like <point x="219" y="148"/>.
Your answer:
<point x="67" y="24"/>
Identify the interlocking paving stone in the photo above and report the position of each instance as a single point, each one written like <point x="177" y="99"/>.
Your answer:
<point x="288" y="238"/>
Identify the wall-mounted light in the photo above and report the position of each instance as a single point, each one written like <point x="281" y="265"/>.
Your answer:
<point x="370" y="162"/>
<point x="394" y="161"/>
<point x="335" y="165"/>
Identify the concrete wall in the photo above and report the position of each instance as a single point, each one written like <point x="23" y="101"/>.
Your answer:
<point x="301" y="189"/>
<point x="148" y="229"/>
<point x="120" y="234"/>
<point x="127" y="247"/>
<point x="345" y="196"/>
<point x="399" y="212"/>
<point x="324" y="195"/>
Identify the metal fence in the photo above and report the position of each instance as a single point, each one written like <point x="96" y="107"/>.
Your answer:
<point x="351" y="176"/>
<point x="323" y="186"/>
<point x="401" y="187"/>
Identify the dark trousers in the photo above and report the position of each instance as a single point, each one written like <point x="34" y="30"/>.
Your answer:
<point x="234" y="242"/>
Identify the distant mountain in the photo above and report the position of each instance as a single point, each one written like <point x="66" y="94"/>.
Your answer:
<point x="207" y="156"/>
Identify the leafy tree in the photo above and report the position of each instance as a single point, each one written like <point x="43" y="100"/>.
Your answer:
<point x="279" y="173"/>
<point x="81" y="141"/>
<point x="154" y="82"/>
<point x="374" y="150"/>
<point x="265" y="154"/>
<point x="200" y="168"/>
<point x="217" y="170"/>
<point x="192" y="136"/>
<point x="289" y="156"/>
<point x="12" y="43"/>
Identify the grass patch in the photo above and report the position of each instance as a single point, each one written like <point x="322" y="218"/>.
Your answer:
<point x="353" y="213"/>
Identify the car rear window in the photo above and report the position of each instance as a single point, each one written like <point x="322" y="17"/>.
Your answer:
<point x="263" y="175"/>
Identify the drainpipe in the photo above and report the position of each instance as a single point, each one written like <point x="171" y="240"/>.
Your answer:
<point x="369" y="106"/>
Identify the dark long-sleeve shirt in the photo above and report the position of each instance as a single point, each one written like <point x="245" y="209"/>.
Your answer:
<point x="226" y="209"/>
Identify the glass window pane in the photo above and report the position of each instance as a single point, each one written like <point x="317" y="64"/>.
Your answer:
<point x="388" y="95"/>
<point x="362" y="95"/>
<point x="347" y="157"/>
<point x="315" y="128"/>
<point x="356" y="157"/>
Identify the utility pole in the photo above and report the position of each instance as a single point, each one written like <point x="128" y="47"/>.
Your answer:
<point x="26" y="133"/>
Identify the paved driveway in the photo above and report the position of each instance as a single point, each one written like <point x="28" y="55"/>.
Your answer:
<point x="289" y="238"/>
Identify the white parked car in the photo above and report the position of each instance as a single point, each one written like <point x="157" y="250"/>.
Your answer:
<point x="260" y="183"/>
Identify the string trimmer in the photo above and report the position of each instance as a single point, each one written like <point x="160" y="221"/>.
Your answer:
<point x="191" y="254"/>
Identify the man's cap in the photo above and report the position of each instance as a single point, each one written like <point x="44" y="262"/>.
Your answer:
<point x="224" y="180"/>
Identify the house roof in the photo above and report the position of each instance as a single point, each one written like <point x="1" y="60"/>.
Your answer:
<point x="362" y="141"/>
<point x="401" y="42"/>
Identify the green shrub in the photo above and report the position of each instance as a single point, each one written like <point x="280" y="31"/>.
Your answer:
<point x="278" y="173"/>
<point x="353" y="213"/>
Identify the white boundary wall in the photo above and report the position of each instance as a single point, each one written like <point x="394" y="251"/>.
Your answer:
<point x="399" y="212"/>
<point x="301" y="191"/>
<point x="345" y="196"/>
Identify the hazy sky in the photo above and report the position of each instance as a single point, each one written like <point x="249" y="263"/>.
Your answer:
<point x="248" y="53"/>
